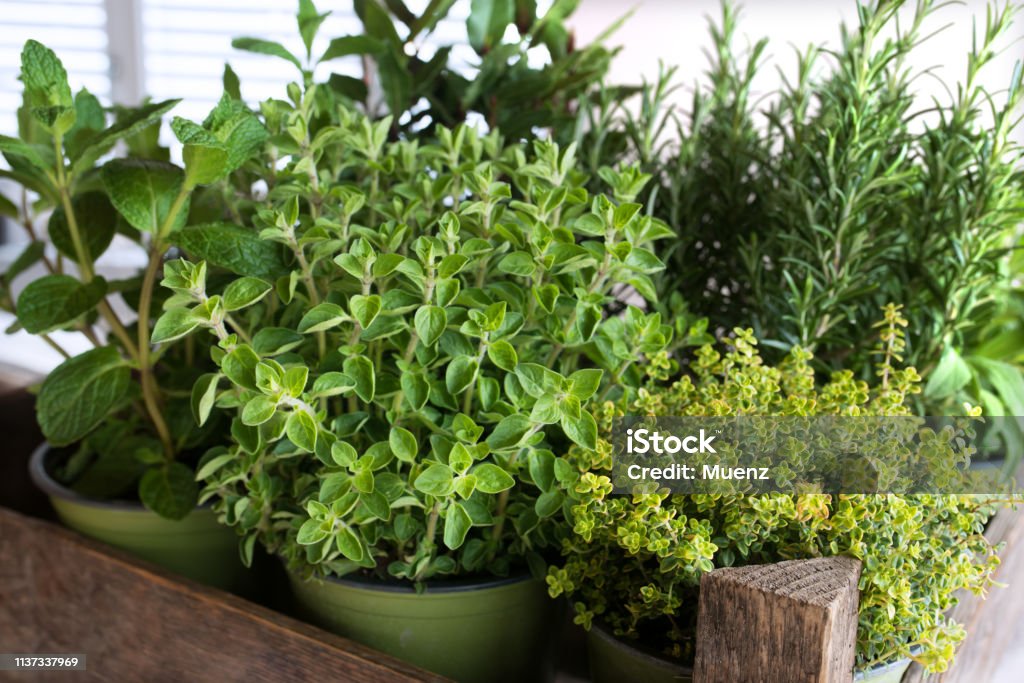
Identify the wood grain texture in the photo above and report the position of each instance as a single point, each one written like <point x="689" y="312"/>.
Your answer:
<point x="60" y="593"/>
<point x="994" y="622"/>
<point x="789" y="622"/>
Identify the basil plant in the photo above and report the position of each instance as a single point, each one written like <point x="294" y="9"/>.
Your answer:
<point x="122" y="390"/>
<point x="400" y="394"/>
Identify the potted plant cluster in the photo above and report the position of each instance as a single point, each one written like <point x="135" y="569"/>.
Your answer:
<point x="382" y="327"/>
<point x="121" y="440"/>
<point x="661" y="544"/>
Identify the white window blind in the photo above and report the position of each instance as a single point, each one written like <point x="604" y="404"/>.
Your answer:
<point x="75" y="29"/>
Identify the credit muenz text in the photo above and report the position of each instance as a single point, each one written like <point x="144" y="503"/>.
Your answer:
<point x="644" y="442"/>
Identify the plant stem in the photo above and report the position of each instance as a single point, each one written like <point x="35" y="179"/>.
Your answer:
<point x="150" y="389"/>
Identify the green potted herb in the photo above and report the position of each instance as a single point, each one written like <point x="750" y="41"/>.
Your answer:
<point x="632" y="568"/>
<point x="801" y="212"/>
<point x="116" y="417"/>
<point x="399" y="393"/>
<point x="420" y="84"/>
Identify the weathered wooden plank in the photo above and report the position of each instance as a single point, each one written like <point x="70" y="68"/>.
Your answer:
<point x="793" y="621"/>
<point x="993" y="622"/>
<point x="62" y="593"/>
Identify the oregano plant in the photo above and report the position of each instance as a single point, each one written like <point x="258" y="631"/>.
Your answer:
<point x="398" y="395"/>
<point x="116" y="406"/>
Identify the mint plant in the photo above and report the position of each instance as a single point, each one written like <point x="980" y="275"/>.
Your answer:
<point x="123" y="432"/>
<point x="400" y="392"/>
<point x="421" y="85"/>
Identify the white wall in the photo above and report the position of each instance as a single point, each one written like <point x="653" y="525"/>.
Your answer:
<point x="676" y="32"/>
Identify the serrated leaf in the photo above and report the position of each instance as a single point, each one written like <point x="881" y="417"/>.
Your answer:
<point x="144" y="191"/>
<point x="96" y="220"/>
<point x="52" y="302"/>
<point x="235" y="248"/>
<point x="78" y="395"/>
<point x="126" y="126"/>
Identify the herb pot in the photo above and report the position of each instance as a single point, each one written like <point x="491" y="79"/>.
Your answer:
<point x="196" y="546"/>
<point x="616" y="661"/>
<point x="486" y="631"/>
<point x="891" y="672"/>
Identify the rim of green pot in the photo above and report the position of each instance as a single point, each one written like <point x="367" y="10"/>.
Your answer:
<point x="600" y="630"/>
<point x="433" y="587"/>
<point x="39" y="466"/>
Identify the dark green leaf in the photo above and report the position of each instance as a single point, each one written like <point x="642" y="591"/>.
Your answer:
<point x="78" y="395"/>
<point x="144" y="192"/>
<point x="170" y="490"/>
<point x="232" y="247"/>
<point x="56" y="301"/>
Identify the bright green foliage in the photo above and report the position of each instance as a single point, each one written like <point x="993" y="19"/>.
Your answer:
<point x="434" y="340"/>
<point x="802" y="212"/>
<point x="121" y="439"/>
<point x="917" y="551"/>
<point x="500" y="86"/>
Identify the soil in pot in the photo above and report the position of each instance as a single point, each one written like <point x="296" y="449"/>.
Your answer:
<point x="196" y="546"/>
<point x="473" y="632"/>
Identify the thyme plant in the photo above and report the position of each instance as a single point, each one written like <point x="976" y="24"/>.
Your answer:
<point x="660" y="544"/>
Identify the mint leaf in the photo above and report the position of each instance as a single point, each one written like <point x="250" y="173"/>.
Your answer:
<point x="266" y="47"/>
<point x="232" y="247"/>
<point x="96" y="220"/>
<point x="487" y="22"/>
<point x="56" y="301"/>
<point x="170" y="491"/>
<point x="77" y="396"/>
<point x="126" y="126"/>
<point x="144" y="191"/>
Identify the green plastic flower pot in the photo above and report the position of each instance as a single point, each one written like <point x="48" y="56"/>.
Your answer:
<point x="196" y="546"/>
<point x="472" y="632"/>
<point x="615" y="661"/>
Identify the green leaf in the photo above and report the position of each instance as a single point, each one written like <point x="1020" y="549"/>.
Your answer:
<point x="509" y="432"/>
<point x="34" y="154"/>
<point x="415" y="388"/>
<point x="585" y="383"/>
<point x="537" y="380"/>
<point x="503" y="355"/>
<point x="204" y="393"/>
<point x="545" y="410"/>
<point x="377" y="504"/>
<point x="56" y="301"/>
<point x="518" y="263"/>
<point x="258" y="410"/>
<point x="174" y="324"/>
<point x="332" y="384"/>
<point x="239" y="366"/>
<point x="244" y="292"/>
<point x="126" y="126"/>
<point x="273" y="341"/>
<point x="377" y="22"/>
<point x="360" y="369"/>
<point x="459" y="459"/>
<point x="78" y="395"/>
<point x="309" y="21"/>
<point x="492" y="479"/>
<point x="548" y="503"/>
<point x="542" y="469"/>
<point x="395" y="79"/>
<point x="266" y="47"/>
<point x="144" y="192"/>
<point x="437" y="480"/>
<point x="461" y="374"/>
<point x="47" y="92"/>
<point x="582" y="430"/>
<point x="214" y="464"/>
<point x="1007" y="380"/>
<point x="343" y="453"/>
<point x="363" y="480"/>
<point x="295" y="379"/>
<point x="205" y="157"/>
<point x="235" y="248"/>
<point x="403" y="444"/>
<point x="301" y="430"/>
<point x="322" y="317"/>
<point x="364" y="308"/>
<point x="351" y="45"/>
<point x="487" y="22"/>
<point x="348" y="544"/>
<point x="232" y="87"/>
<point x="456" y="525"/>
<point x="238" y="129"/>
<point x="430" y="323"/>
<point x="169" y="491"/>
<point x="312" y="531"/>
<point x="949" y="376"/>
<point x="96" y="220"/>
